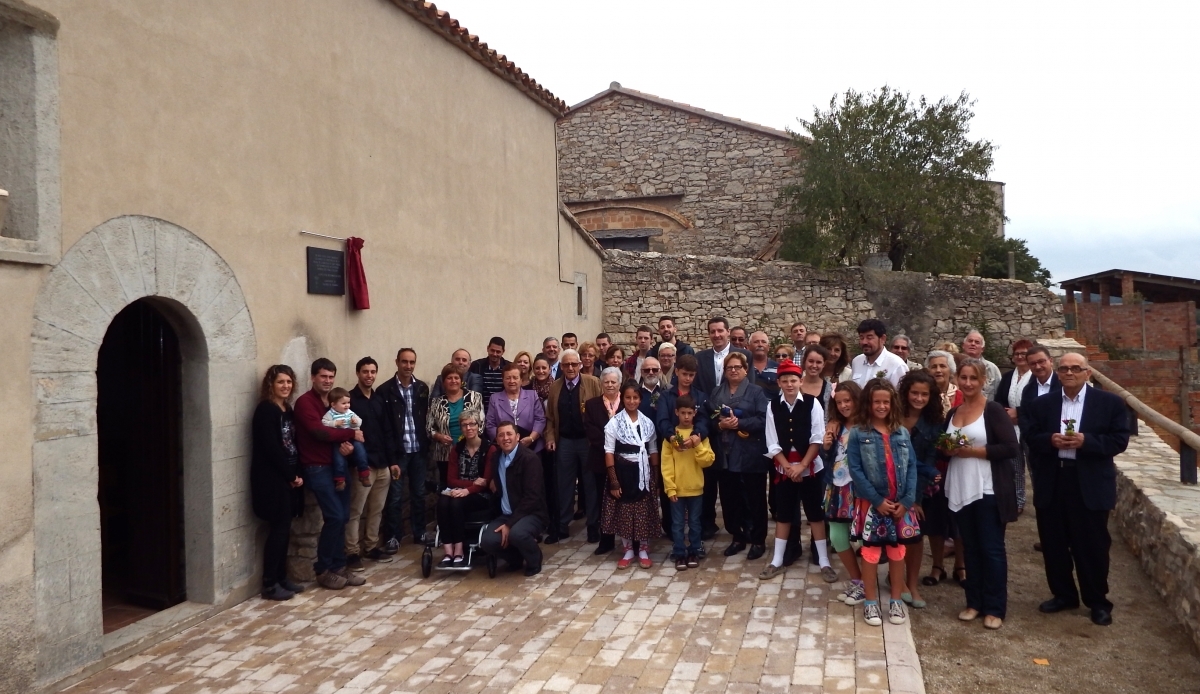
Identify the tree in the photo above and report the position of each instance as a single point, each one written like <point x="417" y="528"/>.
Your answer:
<point x="993" y="261"/>
<point x="882" y="174"/>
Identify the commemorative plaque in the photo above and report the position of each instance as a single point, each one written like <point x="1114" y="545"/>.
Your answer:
<point x="326" y="271"/>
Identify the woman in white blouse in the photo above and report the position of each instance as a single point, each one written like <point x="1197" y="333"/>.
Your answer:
<point x="981" y="492"/>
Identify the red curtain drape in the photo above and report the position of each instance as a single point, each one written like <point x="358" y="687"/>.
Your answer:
<point x="356" y="278"/>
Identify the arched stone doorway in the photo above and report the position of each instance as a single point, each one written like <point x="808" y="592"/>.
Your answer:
<point x="120" y="262"/>
<point x="139" y="401"/>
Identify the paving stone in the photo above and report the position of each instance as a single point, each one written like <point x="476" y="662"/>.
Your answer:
<point x="579" y="626"/>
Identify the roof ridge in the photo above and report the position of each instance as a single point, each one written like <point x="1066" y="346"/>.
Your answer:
<point x="450" y="29"/>
<point x="616" y="88"/>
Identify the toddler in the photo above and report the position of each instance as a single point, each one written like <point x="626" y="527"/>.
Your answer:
<point x="340" y="416"/>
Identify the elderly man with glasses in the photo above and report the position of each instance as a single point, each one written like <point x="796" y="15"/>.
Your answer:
<point x="902" y="347"/>
<point x="1073" y="437"/>
<point x="565" y="436"/>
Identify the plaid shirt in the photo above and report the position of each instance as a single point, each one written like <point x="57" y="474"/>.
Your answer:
<point x="411" y="443"/>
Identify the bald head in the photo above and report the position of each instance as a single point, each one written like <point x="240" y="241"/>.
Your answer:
<point x="1073" y="373"/>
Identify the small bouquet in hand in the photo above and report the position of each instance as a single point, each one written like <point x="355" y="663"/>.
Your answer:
<point x="1070" y="426"/>
<point x="948" y="442"/>
<point x="678" y="441"/>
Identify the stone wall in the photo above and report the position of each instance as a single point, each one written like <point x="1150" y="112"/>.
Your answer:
<point x="1160" y="520"/>
<point x="639" y="287"/>
<point x="724" y="178"/>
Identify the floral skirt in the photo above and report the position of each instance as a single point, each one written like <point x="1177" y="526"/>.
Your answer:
<point x="839" y="503"/>
<point x="875" y="529"/>
<point x="638" y="520"/>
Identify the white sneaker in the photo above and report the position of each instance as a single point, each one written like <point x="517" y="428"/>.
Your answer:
<point x="896" y="613"/>
<point x="854" y="594"/>
<point x="871" y="614"/>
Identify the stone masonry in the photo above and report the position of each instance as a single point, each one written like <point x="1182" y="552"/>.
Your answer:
<point x="1160" y="520"/>
<point x="721" y="175"/>
<point x="640" y="287"/>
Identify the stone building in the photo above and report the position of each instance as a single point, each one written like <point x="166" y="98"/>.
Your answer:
<point x="645" y="173"/>
<point x="162" y="160"/>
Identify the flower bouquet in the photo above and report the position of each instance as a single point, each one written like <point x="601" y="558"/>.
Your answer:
<point x="677" y="440"/>
<point x="948" y="442"/>
<point x="1070" y="431"/>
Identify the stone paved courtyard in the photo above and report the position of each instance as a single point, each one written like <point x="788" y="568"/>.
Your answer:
<point x="579" y="626"/>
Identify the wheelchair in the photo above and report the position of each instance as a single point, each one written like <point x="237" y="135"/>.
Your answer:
<point x="476" y="526"/>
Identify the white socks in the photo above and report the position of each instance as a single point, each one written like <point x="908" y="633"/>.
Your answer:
<point x="780" y="547"/>
<point x="628" y="544"/>
<point x="642" y="553"/>
<point x="823" y="552"/>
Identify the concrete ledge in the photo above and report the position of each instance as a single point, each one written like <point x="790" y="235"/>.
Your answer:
<point x="1159" y="518"/>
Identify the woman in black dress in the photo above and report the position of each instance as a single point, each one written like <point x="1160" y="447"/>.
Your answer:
<point x="274" y="478"/>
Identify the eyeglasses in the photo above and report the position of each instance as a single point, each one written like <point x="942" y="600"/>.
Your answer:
<point x="734" y="367"/>
<point x="649" y="371"/>
<point x="1072" y="369"/>
<point x="569" y="364"/>
<point x="900" y="348"/>
<point x="783" y="355"/>
<point x="1020" y="354"/>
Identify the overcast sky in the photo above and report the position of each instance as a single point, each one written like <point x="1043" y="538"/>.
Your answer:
<point x="1093" y="109"/>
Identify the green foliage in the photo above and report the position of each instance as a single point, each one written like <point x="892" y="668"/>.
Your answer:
<point x="882" y="174"/>
<point x="993" y="261"/>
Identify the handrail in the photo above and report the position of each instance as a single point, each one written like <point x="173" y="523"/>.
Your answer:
<point x="1189" y="441"/>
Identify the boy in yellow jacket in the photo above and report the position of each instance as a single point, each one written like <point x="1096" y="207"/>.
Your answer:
<point x="683" y="482"/>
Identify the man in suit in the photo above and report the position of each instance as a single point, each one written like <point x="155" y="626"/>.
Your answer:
<point x="566" y="438"/>
<point x="712" y="369"/>
<point x="1073" y="437"/>
<point x="1044" y="381"/>
<point x="518" y="482"/>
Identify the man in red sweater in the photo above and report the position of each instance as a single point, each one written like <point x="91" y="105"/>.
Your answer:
<point x="316" y="442"/>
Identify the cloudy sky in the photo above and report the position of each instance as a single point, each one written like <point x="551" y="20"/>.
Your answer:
<point x="1092" y="106"/>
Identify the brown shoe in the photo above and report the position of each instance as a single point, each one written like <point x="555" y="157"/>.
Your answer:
<point x="331" y="580"/>
<point x="351" y="579"/>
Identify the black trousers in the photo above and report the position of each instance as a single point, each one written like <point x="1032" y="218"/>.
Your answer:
<point x="275" y="552"/>
<point x="744" y="502"/>
<point x="1075" y="539"/>
<point x="452" y="514"/>
<point x="708" y="509"/>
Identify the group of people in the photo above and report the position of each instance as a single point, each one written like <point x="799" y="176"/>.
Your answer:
<point x="877" y="452"/>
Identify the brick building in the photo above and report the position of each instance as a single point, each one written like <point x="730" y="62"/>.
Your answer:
<point x="645" y="173"/>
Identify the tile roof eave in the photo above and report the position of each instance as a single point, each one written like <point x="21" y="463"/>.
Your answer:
<point x="633" y="93"/>
<point x="441" y="22"/>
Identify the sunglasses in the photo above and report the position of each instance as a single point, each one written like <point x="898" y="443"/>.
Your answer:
<point x="783" y="355"/>
<point x="649" y="371"/>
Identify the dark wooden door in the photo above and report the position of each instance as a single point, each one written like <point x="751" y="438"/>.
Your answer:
<point x="138" y="413"/>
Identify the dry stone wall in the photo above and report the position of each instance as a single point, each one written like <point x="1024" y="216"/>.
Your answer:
<point x="639" y="287"/>
<point x="723" y="177"/>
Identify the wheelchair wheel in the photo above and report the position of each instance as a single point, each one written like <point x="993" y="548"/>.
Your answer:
<point x="426" y="562"/>
<point x="491" y="566"/>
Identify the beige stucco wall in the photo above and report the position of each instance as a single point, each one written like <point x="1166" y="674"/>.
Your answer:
<point x="245" y="122"/>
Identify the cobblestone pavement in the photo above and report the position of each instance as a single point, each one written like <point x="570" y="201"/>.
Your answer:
<point x="579" y="626"/>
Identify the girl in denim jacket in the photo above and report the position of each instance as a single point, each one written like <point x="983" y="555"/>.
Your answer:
<point x="883" y="473"/>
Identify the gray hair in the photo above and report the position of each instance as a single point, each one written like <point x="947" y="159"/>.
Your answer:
<point x="613" y="371"/>
<point x="945" y="355"/>
<point x="978" y="365"/>
<point x="569" y="353"/>
<point x="976" y="332"/>
<point x="906" y="339"/>
<point x="666" y="346"/>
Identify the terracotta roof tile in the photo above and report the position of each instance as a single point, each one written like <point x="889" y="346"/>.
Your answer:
<point x="440" y="21"/>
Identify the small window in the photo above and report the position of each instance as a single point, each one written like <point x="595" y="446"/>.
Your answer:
<point x="581" y="297"/>
<point x="29" y="227"/>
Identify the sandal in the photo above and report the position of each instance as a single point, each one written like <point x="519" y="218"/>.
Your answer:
<point x="960" y="576"/>
<point x="446" y="562"/>
<point x="932" y="580"/>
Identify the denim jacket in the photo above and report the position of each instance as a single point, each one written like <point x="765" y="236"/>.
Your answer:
<point x="868" y="466"/>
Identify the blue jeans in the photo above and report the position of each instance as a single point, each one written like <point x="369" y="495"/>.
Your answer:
<point x="359" y="456"/>
<point x="982" y="534"/>
<point x="331" y="546"/>
<point x="689" y="505"/>
<point x="412" y="474"/>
